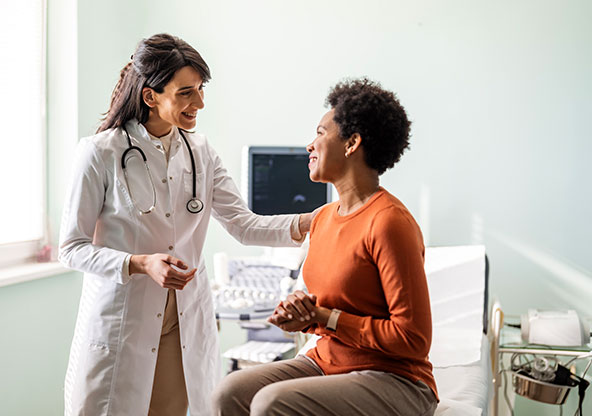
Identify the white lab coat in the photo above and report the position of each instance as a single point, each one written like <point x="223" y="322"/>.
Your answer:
<point x="115" y="345"/>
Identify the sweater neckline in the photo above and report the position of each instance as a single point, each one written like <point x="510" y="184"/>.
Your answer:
<point x="342" y="218"/>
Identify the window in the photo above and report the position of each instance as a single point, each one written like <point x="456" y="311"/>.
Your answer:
<point x="22" y="117"/>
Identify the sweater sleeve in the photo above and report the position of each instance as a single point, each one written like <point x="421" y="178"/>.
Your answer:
<point x="395" y="243"/>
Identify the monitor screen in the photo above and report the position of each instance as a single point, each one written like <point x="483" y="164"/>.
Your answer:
<point x="278" y="181"/>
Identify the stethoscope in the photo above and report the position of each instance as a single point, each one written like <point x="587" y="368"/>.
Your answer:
<point x="194" y="205"/>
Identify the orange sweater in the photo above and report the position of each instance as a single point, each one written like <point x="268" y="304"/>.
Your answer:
<point x="369" y="264"/>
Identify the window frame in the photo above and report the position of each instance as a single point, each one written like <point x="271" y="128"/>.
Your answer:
<point x="23" y="252"/>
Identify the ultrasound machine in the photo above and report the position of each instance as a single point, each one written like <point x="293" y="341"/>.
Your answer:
<point x="275" y="181"/>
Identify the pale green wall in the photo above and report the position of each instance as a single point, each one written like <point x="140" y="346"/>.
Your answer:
<point x="498" y="92"/>
<point x="36" y="319"/>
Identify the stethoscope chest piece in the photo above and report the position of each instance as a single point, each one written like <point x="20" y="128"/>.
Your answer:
<point x="194" y="206"/>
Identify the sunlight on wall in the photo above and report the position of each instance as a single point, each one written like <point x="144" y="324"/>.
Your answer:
<point x="571" y="285"/>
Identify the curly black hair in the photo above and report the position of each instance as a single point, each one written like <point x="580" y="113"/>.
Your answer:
<point x="364" y="107"/>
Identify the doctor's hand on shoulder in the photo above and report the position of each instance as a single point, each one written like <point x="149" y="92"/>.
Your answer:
<point x="305" y="220"/>
<point x="160" y="268"/>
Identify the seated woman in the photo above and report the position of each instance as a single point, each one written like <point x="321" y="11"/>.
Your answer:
<point x="365" y="272"/>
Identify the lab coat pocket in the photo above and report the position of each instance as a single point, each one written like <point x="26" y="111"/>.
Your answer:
<point x="138" y="185"/>
<point x="91" y="393"/>
<point x="135" y="194"/>
<point x="107" y="310"/>
<point x="122" y="198"/>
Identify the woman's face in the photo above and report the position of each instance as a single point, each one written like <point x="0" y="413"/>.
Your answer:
<point x="182" y="97"/>
<point x="327" y="151"/>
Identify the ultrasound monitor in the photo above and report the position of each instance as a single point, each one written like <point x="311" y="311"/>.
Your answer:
<point x="277" y="181"/>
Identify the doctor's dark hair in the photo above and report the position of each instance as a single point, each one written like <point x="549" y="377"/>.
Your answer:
<point x="153" y="65"/>
<point x="364" y="107"/>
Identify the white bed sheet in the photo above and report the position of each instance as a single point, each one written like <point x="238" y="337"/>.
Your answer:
<point x="465" y="390"/>
<point x="456" y="280"/>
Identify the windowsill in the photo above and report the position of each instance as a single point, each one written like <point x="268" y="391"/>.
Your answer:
<point x="30" y="271"/>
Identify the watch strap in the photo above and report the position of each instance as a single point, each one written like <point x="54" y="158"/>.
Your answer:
<point x="332" y="321"/>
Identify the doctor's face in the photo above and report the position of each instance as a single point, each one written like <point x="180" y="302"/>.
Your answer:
<point x="178" y="104"/>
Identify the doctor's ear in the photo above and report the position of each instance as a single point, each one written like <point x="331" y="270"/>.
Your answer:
<point x="148" y="97"/>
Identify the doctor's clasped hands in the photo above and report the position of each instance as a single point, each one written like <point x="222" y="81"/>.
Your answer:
<point x="160" y="268"/>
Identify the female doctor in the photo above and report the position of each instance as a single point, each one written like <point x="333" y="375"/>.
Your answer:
<point x="134" y="222"/>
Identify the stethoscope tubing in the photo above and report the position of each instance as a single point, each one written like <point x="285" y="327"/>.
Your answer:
<point x="194" y="205"/>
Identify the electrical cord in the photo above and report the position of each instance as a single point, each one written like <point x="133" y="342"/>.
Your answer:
<point x="506" y="397"/>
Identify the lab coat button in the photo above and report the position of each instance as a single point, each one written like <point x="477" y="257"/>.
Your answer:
<point x="158" y="147"/>
<point x="170" y="247"/>
<point x="158" y="315"/>
<point x="170" y="178"/>
<point x="167" y="214"/>
<point x="180" y="313"/>
<point x="183" y="346"/>
<point x="153" y="349"/>
<point x="163" y="180"/>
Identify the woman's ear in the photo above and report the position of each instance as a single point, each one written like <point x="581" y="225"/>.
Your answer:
<point x="148" y="97"/>
<point x="352" y="144"/>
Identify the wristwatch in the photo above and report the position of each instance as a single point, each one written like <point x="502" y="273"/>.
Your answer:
<point x="332" y="321"/>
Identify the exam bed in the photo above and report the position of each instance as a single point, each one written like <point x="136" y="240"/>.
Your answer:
<point x="461" y="348"/>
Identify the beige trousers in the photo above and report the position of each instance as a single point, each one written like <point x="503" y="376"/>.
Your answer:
<point x="298" y="387"/>
<point x="169" y="394"/>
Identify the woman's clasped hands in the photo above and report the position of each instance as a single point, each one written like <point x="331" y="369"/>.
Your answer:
<point x="298" y="311"/>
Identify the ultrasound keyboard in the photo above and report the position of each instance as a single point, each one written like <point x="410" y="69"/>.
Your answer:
<point x="253" y="291"/>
